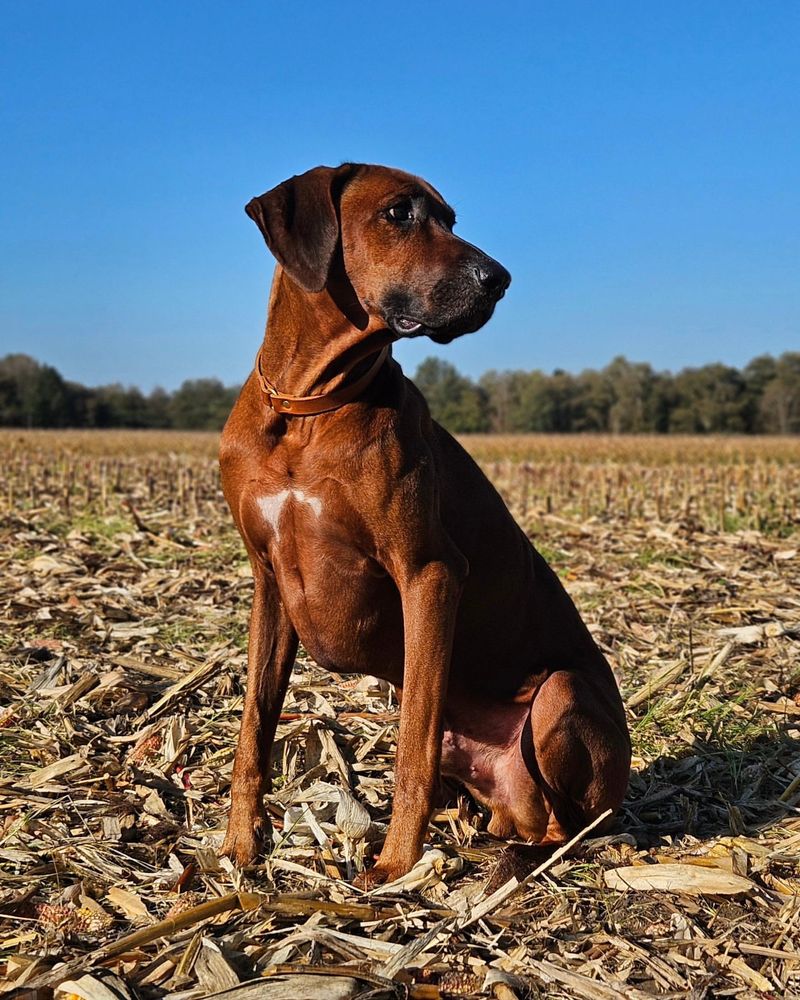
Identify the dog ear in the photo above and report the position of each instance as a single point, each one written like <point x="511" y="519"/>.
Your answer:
<point x="300" y="224"/>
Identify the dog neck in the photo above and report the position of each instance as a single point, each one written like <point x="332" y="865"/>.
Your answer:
<point x="311" y="346"/>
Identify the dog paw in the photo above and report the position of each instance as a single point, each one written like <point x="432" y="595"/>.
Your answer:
<point x="501" y="825"/>
<point x="371" y="878"/>
<point x="245" y="839"/>
<point x="379" y="874"/>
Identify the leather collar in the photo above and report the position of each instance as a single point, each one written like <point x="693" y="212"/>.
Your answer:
<point x="307" y="406"/>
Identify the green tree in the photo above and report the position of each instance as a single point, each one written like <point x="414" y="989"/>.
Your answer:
<point x="454" y="400"/>
<point x="758" y="374"/>
<point x="712" y="399"/>
<point x="50" y="399"/>
<point x="519" y="401"/>
<point x="33" y="395"/>
<point x="631" y="387"/>
<point x="592" y="403"/>
<point x="779" y="408"/>
<point x="201" y="404"/>
<point x="158" y="408"/>
<point x="118" y="406"/>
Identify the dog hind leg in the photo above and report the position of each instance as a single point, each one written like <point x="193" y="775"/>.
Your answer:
<point x="577" y="749"/>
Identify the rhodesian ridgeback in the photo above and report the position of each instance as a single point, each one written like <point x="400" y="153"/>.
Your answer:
<point x="378" y="543"/>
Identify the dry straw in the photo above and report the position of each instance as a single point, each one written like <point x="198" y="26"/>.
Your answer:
<point x="125" y="592"/>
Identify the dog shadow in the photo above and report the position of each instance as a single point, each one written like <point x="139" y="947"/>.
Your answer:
<point x="713" y="788"/>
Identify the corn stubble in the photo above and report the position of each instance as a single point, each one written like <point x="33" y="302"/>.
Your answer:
<point x="125" y="594"/>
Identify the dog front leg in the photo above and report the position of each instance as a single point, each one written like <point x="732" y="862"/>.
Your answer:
<point x="430" y="599"/>
<point x="270" y="657"/>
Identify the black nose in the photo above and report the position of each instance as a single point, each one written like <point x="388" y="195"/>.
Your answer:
<point x="491" y="276"/>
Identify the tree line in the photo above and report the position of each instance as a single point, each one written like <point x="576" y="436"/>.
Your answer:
<point x="36" y="395"/>
<point x="623" y="397"/>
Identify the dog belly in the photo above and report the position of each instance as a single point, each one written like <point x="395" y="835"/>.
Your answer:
<point x="481" y="750"/>
<point x="479" y="738"/>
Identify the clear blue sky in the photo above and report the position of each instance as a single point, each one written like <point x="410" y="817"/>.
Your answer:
<point x="635" y="165"/>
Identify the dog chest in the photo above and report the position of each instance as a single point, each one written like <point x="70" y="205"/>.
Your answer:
<point x="275" y="507"/>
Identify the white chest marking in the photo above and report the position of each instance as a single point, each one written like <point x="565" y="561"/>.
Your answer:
<point x="272" y="507"/>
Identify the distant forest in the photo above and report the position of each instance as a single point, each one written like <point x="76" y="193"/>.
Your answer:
<point x="623" y="397"/>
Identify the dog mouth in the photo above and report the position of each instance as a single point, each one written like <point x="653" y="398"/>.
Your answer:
<point x="445" y="333"/>
<point x="406" y="326"/>
<point x="444" y="321"/>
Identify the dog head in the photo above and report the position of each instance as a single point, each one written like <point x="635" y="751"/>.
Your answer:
<point x="390" y="236"/>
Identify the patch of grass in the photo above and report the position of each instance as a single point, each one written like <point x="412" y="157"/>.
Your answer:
<point x="557" y="558"/>
<point x="98" y="526"/>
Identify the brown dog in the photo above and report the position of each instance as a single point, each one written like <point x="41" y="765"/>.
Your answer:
<point x="376" y="540"/>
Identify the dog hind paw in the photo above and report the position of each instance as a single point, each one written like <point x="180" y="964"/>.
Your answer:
<point x="371" y="878"/>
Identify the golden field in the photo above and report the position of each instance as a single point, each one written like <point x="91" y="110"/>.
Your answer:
<point x="124" y="593"/>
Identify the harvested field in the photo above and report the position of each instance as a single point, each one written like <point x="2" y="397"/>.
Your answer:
<point x="124" y="595"/>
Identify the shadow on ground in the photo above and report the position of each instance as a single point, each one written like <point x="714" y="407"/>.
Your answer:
<point x="713" y="789"/>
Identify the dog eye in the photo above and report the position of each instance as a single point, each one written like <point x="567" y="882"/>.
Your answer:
<point x="402" y="212"/>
